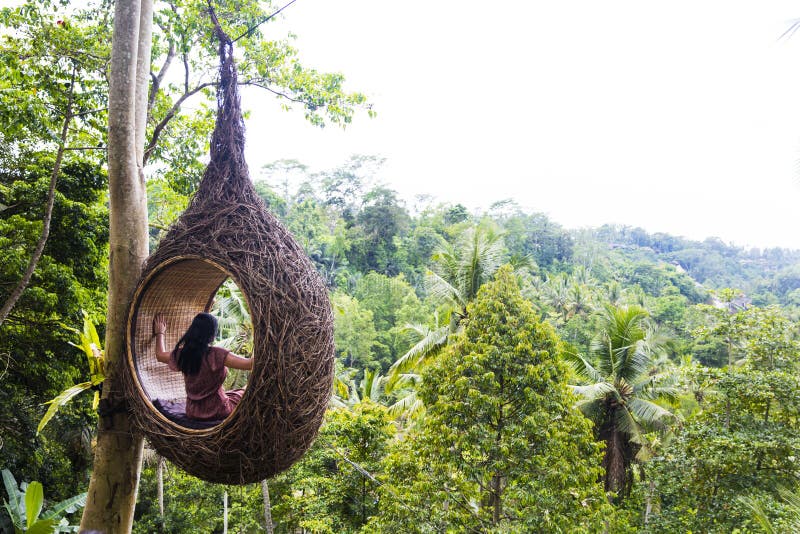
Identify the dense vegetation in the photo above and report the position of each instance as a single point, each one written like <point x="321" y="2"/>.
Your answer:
<point x="495" y="371"/>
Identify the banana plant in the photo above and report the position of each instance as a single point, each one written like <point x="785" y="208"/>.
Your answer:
<point x="89" y="344"/>
<point x="25" y="503"/>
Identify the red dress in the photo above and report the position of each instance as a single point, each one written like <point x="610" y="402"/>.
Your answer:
<point x="205" y="397"/>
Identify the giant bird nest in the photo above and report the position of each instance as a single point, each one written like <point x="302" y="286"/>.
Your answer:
<point x="226" y="232"/>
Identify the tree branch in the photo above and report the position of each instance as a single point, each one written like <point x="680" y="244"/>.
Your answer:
<point x="261" y="85"/>
<point x="83" y="113"/>
<point x="168" y="117"/>
<point x="159" y="78"/>
<point x="185" y="72"/>
<point x="48" y="212"/>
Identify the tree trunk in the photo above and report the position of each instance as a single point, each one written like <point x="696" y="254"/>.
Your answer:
<point x="225" y="512"/>
<point x="614" y="463"/>
<point x="117" y="462"/>
<point x="160" y="474"/>
<point x="651" y="489"/>
<point x="497" y="501"/>
<point x="267" y="507"/>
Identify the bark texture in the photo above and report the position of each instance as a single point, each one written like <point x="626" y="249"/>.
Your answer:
<point x="115" y="477"/>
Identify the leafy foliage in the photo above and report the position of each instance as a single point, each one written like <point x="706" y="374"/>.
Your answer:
<point x="92" y="348"/>
<point x="500" y="447"/>
<point x="24" y="508"/>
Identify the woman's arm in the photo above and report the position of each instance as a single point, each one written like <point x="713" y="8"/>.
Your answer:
<point x="160" y="331"/>
<point x="237" y="362"/>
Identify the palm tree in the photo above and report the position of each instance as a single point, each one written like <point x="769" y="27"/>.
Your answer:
<point x="621" y="389"/>
<point x="457" y="273"/>
<point x="580" y="302"/>
<point x="460" y="270"/>
<point x="557" y="292"/>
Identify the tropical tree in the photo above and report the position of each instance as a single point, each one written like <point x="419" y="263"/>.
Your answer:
<point x="35" y="361"/>
<point x="557" y="294"/>
<point x="744" y="445"/>
<point x="349" y="392"/>
<point x="333" y="488"/>
<point x="457" y="273"/>
<point x="621" y="392"/>
<point x="501" y="448"/>
<point x="49" y="102"/>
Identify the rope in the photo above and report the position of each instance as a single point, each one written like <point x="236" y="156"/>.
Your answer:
<point x="253" y="28"/>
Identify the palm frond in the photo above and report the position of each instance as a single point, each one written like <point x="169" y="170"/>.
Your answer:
<point x="626" y="422"/>
<point x="336" y="402"/>
<point x="792" y="498"/>
<point x="441" y="290"/>
<point x="427" y="347"/>
<point x="595" y="391"/>
<point x="69" y="506"/>
<point x="63" y="398"/>
<point x="582" y="367"/>
<point x="638" y="362"/>
<point x="759" y="514"/>
<point x="649" y="414"/>
<point x="409" y="406"/>
<point x="406" y="381"/>
<point x="372" y="387"/>
<point x="662" y="386"/>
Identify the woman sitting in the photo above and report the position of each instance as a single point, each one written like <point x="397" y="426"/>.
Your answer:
<point x="204" y="367"/>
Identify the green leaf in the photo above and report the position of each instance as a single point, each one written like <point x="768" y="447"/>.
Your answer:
<point x="13" y="504"/>
<point x="43" y="526"/>
<point x="90" y="331"/>
<point x="34" y="498"/>
<point x="67" y="505"/>
<point x="63" y="398"/>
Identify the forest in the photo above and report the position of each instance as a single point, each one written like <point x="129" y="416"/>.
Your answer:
<point x="494" y="371"/>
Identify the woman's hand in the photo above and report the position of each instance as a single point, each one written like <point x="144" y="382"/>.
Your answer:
<point x="159" y="324"/>
<point x="160" y="331"/>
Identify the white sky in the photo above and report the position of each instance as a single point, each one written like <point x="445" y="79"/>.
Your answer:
<point x="679" y="116"/>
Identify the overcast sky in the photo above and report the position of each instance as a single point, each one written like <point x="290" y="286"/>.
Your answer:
<point x="679" y="116"/>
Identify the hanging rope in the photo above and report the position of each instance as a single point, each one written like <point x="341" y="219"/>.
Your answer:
<point x="253" y="28"/>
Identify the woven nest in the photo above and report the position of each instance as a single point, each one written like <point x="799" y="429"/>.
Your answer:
<point x="226" y="232"/>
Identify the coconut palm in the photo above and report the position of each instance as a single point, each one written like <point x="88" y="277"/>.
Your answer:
<point x="456" y="275"/>
<point x="557" y="294"/>
<point x="580" y="299"/>
<point x="460" y="270"/>
<point x="621" y="389"/>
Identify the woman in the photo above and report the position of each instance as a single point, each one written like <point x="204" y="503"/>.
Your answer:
<point x="204" y="367"/>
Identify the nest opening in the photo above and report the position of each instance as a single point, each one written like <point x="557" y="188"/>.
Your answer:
<point x="178" y="289"/>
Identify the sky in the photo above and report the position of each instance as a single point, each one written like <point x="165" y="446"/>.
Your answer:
<point x="680" y="117"/>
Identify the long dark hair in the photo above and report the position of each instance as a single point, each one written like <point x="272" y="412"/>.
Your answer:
<point x="196" y="343"/>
